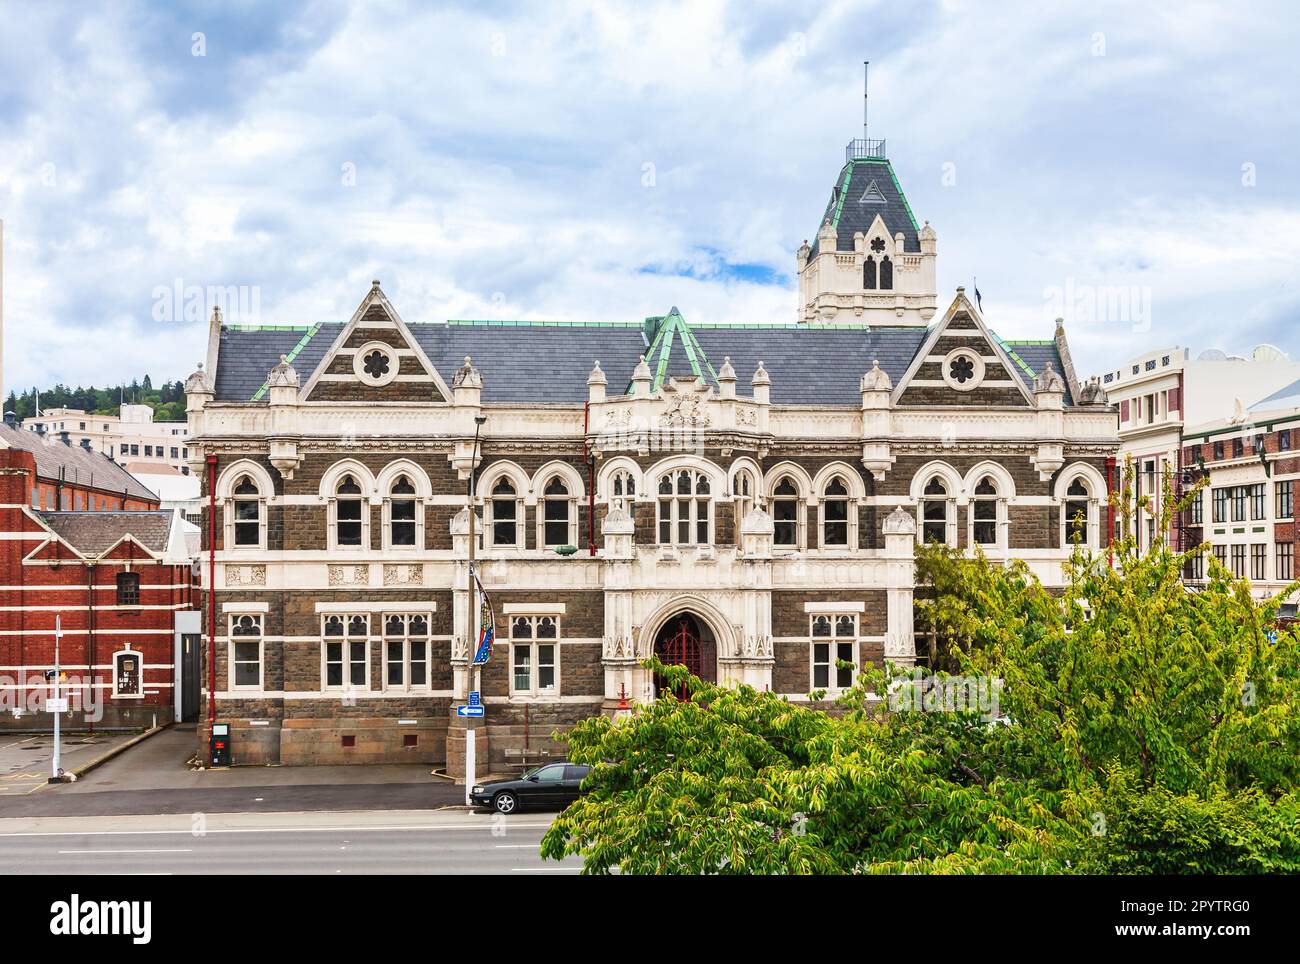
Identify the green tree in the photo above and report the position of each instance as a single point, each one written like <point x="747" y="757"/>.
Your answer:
<point x="1144" y="728"/>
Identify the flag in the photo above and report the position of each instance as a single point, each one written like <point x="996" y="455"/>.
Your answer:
<point x="979" y="302"/>
<point x="487" y="625"/>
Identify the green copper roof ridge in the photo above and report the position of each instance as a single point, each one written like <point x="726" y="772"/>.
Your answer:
<point x="661" y="368"/>
<point x="839" y="201"/>
<point x="289" y="357"/>
<point x="541" y="322"/>
<point x="902" y="197"/>
<point x="1014" y="357"/>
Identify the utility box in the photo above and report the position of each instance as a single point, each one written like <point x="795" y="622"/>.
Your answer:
<point x="219" y="745"/>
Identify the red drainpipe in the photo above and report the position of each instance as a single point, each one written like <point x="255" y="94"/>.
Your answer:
<point x="212" y="585"/>
<point x="1110" y="510"/>
<point x="591" y="481"/>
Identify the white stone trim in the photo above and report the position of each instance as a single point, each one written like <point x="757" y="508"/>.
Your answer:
<point x="834" y="607"/>
<point x="235" y="606"/>
<point x="535" y="609"/>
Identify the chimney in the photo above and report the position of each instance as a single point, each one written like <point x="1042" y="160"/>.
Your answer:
<point x="11" y="419"/>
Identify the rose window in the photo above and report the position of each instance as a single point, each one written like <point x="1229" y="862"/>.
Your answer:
<point x="962" y="369"/>
<point x="375" y="364"/>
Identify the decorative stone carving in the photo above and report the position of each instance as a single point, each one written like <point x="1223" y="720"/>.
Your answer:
<point x="1049" y="381"/>
<point x="876" y="380"/>
<point x="245" y="575"/>
<point x="282" y="375"/>
<point x="349" y="575"/>
<point x="1092" y="393"/>
<point x="404" y="574"/>
<point x="900" y="522"/>
<point x="686" y="401"/>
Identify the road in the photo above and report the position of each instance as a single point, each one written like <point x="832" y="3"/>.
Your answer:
<point x="370" y="842"/>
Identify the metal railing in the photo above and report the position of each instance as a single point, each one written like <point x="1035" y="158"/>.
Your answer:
<point x="863" y="147"/>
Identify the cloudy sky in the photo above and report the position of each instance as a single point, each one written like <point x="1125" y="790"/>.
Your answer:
<point x="1131" y="167"/>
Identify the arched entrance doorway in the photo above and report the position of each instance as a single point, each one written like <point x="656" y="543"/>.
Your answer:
<point x="686" y="640"/>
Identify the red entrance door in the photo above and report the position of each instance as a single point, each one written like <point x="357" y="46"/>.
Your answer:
<point x="680" y="643"/>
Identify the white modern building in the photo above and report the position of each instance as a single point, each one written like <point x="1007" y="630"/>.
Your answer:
<point x="1161" y="392"/>
<point x="131" y="436"/>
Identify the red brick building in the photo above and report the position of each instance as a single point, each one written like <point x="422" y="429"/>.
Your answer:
<point x="86" y="547"/>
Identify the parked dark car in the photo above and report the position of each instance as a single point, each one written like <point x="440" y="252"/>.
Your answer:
<point x="553" y="786"/>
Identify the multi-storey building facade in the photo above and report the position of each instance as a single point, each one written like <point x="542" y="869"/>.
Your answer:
<point x="1161" y="392"/>
<point x="630" y="498"/>
<point x="85" y="550"/>
<point x="130" y="437"/>
<point x="1247" y="510"/>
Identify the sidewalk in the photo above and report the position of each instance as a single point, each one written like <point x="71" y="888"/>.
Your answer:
<point x="25" y="759"/>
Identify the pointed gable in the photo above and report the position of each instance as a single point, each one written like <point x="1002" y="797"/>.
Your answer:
<point x="675" y="351"/>
<point x="962" y="363"/>
<point x="375" y="358"/>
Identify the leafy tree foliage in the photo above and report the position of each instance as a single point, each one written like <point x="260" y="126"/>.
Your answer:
<point x="168" y="400"/>
<point x="1144" y="728"/>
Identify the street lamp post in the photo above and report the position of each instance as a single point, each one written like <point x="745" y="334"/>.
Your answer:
<point x="473" y="540"/>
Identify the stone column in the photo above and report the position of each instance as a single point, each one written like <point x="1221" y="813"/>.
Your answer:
<point x="900" y="578"/>
<point x="754" y="660"/>
<point x="625" y="678"/>
<point x="462" y="645"/>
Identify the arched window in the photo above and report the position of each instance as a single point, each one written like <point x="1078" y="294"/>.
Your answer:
<point x="984" y="512"/>
<point x="349" y="513"/>
<point x="403" y="516"/>
<point x="785" y="512"/>
<point x="247" y="514"/>
<point x="504" y="507"/>
<point x="886" y="273"/>
<point x="684" y="508"/>
<point x="622" y="491"/>
<point x="557" y="513"/>
<point x="869" y="273"/>
<point x="935" y="506"/>
<point x="835" y="513"/>
<point x="743" y="492"/>
<point x="1078" y="500"/>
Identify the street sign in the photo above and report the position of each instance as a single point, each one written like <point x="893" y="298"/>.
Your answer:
<point x="57" y="706"/>
<point x="469" y="710"/>
<point x="475" y="699"/>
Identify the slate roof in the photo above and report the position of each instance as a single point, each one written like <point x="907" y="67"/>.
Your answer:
<point x="849" y="213"/>
<point x="55" y="459"/>
<point x="548" y="362"/>
<point x="90" y="533"/>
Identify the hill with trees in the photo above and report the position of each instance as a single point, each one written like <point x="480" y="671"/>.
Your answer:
<point x="167" y="400"/>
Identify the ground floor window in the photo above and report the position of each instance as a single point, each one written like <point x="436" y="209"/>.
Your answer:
<point x="406" y="651"/>
<point x="1239" y="561"/>
<point x="534" y="655"/>
<point x="834" y="641"/>
<point x="1257" y="557"/>
<point x="246" y="650"/>
<point x="346" y="647"/>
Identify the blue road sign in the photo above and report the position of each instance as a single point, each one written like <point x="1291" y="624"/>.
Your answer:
<point x="474" y="699"/>
<point x="469" y="711"/>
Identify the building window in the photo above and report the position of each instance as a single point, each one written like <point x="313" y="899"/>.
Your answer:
<point x="247" y="512"/>
<point x="504" y="509"/>
<point x="175" y="452"/>
<point x="403" y="515"/>
<point x="1238" y="448"/>
<point x="785" y="513"/>
<point x="1257" y="502"/>
<point x="1284" y="498"/>
<point x="1284" y="440"/>
<point x="1239" y="503"/>
<point x="246" y="651"/>
<point x="1257" y="551"/>
<point x="622" y="491"/>
<point x="834" y="641"/>
<point x="683" y="505"/>
<point x="349" y="513"/>
<point x="984" y="513"/>
<point x="346" y="650"/>
<point x="835" y="509"/>
<point x="936" y="507"/>
<point x="886" y="273"/>
<point x="1285" y="561"/>
<point x="869" y="273"/>
<point x="1220" y="505"/>
<point x="1194" y="567"/>
<point x="1239" y="560"/>
<point x="534" y="652"/>
<point x="406" y="651"/>
<point x="1197" y="509"/>
<point x="1077" y="509"/>
<point x="128" y="589"/>
<point x="557" y="510"/>
<point x="1218" y="451"/>
<point x="1221" y="554"/>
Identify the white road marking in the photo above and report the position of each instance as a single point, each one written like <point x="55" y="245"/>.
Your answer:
<point x="190" y="833"/>
<point x="177" y="851"/>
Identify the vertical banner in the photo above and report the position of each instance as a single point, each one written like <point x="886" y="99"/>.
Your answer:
<point x="487" y="626"/>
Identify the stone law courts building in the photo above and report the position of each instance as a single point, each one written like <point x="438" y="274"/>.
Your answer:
<point x="744" y="498"/>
